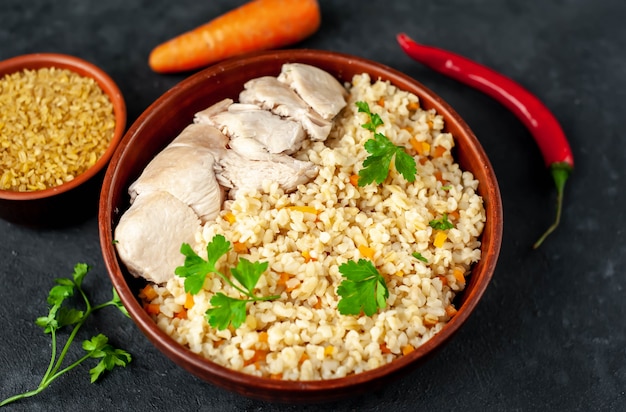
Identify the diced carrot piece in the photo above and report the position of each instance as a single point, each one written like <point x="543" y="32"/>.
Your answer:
<point x="430" y="320"/>
<point x="328" y="350"/>
<point x="439" y="151"/>
<point x="181" y="315"/>
<point x="413" y="106"/>
<point x="444" y="280"/>
<point x="153" y="308"/>
<point x="417" y="146"/>
<point x="429" y="123"/>
<point x="283" y="278"/>
<point x="399" y="273"/>
<point x="307" y="256"/>
<point x="381" y="102"/>
<point x="263" y="337"/>
<point x="148" y="293"/>
<point x="229" y="217"/>
<point x="450" y="310"/>
<point x="440" y="239"/>
<point x="459" y="275"/>
<point x="439" y="176"/>
<point x="408" y="129"/>
<point x="384" y="349"/>
<point x="303" y="358"/>
<point x="354" y="180"/>
<point x="258" y="357"/>
<point x="240" y="247"/>
<point x="277" y="376"/>
<point x="188" y="301"/>
<point x="407" y="349"/>
<point x="318" y="304"/>
<point x="366" y="252"/>
<point x="454" y="215"/>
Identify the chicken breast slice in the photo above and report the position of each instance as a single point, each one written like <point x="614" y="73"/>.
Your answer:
<point x="186" y="172"/>
<point x="236" y="172"/>
<point x="249" y="121"/>
<point x="200" y="136"/>
<point x="318" y="88"/>
<point x="269" y="93"/>
<point x="150" y="233"/>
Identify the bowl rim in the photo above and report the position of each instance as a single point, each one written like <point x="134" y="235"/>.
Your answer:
<point x="229" y="378"/>
<point x="84" y="68"/>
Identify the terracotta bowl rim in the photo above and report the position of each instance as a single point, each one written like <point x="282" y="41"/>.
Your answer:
<point x="107" y="84"/>
<point x="204" y="367"/>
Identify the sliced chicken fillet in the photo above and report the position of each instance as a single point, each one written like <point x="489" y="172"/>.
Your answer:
<point x="270" y="94"/>
<point x="200" y="136"/>
<point x="236" y="172"/>
<point x="186" y="173"/>
<point x="150" y="233"/>
<point x="239" y="120"/>
<point x="315" y="86"/>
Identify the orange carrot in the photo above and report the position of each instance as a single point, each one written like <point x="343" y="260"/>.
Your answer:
<point x="366" y="252"/>
<point x="256" y="25"/>
<point x="354" y="180"/>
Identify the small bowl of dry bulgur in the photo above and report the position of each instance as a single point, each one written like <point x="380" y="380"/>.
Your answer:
<point x="62" y="118"/>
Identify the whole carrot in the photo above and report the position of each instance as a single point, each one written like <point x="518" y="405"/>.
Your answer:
<point x="542" y="124"/>
<point x="257" y="25"/>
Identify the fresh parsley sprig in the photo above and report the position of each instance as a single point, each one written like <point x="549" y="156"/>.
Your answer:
<point x="442" y="223"/>
<point x="363" y="290"/>
<point x="59" y="316"/>
<point x="226" y="310"/>
<point x="375" y="119"/>
<point x="382" y="151"/>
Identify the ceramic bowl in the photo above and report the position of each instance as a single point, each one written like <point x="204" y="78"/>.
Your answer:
<point x="169" y="114"/>
<point x="77" y="199"/>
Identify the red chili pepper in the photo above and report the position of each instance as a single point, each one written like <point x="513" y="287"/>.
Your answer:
<point x="542" y="124"/>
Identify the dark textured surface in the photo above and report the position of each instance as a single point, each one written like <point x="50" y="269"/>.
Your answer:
<point x="550" y="331"/>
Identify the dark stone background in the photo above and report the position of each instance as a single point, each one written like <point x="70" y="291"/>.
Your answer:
<point x="549" y="333"/>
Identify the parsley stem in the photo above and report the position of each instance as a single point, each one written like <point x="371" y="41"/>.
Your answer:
<point x="254" y="298"/>
<point x="74" y="332"/>
<point x="53" y="356"/>
<point x="67" y="369"/>
<point x="231" y="283"/>
<point x="22" y="395"/>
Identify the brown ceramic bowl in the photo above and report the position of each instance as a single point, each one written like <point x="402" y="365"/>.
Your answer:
<point x="78" y="198"/>
<point x="168" y="115"/>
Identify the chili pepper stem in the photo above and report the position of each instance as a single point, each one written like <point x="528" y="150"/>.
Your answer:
<point x="560" y="173"/>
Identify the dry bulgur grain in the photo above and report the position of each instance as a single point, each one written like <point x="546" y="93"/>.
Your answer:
<point x="55" y="124"/>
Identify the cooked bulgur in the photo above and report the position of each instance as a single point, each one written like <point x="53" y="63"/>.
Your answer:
<point x="55" y="124"/>
<point x="307" y="234"/>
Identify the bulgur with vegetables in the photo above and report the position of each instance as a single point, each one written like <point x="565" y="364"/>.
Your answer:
<point x="360" y="272"/>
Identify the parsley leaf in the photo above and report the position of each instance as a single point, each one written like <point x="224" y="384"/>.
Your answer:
<point x="98" y="347"/>
<point x="442" y="223"/>
<point x="195" y="269"/>
<point x="418" y="256"/>
<point x="382" y="151"/>
<point x="248" y="273"/>
<point x="225" y="311"/>
<point x="363" y="290"/>
<point x="375" y="119"/>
